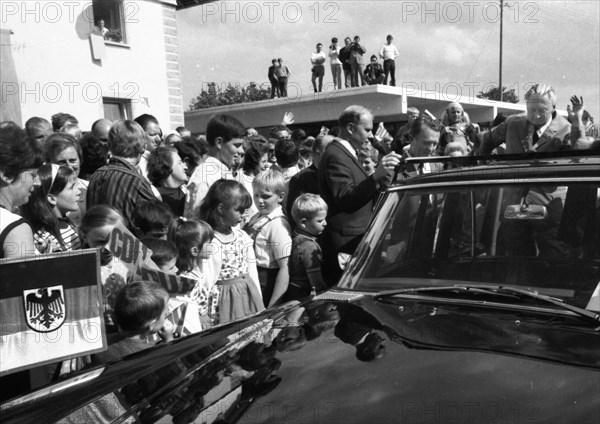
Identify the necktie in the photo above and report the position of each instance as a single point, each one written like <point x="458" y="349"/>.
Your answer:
<point x="536" y="136"/>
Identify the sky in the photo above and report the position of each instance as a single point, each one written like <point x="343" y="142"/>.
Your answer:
<point x="449" y="46"/>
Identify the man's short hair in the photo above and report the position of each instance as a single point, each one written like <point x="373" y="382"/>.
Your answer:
<point x="146" y="119"/>
<point x="334" y="40"/>
<point x="307" y="205"/>
<point x="277" y="128"/>
<point x="138" y="304"/>
<point x="126" y="139"/>
<point x="36" y="123"/>
<point x="305" y="153"/>
<point x="271" y="180"/>
<point x="541" y="90"/>
<point x="352" y="114"/>
<point x="60" y="119"/>
<point x="286" y="153"/>
<point x="224" y="126"/>
<point x="413" y="110"/>
<point x="423" y="121"/>
<point x="373" y="57"/>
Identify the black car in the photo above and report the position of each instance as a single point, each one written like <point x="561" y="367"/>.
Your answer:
<point x="473" y="298"/>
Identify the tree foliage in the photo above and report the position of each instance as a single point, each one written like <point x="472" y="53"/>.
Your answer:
<point x="493" y="93"/>
<point x="214" y="95"/>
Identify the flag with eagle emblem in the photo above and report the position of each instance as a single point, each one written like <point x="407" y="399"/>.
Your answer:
<point x="50" y="309"/>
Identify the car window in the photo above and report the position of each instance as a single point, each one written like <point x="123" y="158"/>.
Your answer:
<point x="539" y="236"/>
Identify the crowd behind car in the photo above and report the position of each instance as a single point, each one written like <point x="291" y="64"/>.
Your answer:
<point x="255" y="221"/>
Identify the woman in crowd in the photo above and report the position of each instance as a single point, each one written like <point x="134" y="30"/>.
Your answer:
<point x="256" y="158"/>
<point x="47" y="209"/>
<point x="64" y="149"/>
<point x="19" y="160"/>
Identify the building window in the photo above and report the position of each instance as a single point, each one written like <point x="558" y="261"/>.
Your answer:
<point x="109" y="18"/>
<point x="116" y="108"/>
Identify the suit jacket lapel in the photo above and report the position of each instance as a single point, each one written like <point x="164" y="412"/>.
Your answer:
<point x="548" y="134"/>
<point x="350" y="155"/>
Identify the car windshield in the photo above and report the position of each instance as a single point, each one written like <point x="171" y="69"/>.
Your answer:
<point x="536" y="236"/>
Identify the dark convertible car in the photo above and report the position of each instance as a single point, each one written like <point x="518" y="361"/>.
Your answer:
<point x="473" y="298"/>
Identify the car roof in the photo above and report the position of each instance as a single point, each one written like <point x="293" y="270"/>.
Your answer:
<point x="562" y="165"/>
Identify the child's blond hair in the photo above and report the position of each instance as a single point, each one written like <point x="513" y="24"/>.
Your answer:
<point x="307" y="206"/>
<point x="270" y="180"/>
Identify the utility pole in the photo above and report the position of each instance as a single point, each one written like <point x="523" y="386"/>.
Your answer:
<point x="500" y="64"/>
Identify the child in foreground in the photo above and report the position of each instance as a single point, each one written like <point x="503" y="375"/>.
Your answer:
<point x="232" y="258"/>
<point x="309" y="212"/>
<point x="271" y="234"/>
<point x="368" y="157"/>
<point x="192" y="239"/>
<point x="140" y="309"/>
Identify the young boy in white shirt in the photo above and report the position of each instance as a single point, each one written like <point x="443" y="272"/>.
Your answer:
<point x="271" y="232"/>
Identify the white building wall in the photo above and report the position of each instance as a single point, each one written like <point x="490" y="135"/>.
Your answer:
<point x="56" y="71"/>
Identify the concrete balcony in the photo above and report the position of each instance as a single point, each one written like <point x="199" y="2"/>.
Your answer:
<point x="388" y="104"/>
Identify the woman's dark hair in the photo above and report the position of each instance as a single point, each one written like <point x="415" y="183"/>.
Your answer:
<point x="191" y="153"/>
<point x="186" y="234"/>
<point x="99" y="216"/>
<point x="56" y="143"/>
<point x="286" y="153"/>
<point x="160" y="165"/>
<point x="94" y="154"/>
<point x="38" y="211"/>
<point x="227" y="192"/>
<point x="253" y="154"/>
<point x="18" y="153"/>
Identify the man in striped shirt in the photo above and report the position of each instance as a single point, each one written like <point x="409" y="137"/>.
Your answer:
<point x="120" y="184"/>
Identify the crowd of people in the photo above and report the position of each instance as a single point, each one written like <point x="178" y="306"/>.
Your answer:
<point x="253" y="221"/>
<point x="347" y="64"/>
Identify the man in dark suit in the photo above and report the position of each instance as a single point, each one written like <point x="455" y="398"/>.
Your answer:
<point x="349" y="192"/>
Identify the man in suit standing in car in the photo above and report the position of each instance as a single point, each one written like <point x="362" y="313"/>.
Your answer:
<point x="347" y="189"/>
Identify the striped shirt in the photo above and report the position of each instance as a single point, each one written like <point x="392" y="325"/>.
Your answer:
<point x="46" y="242"/>
<point x="119" y="185"/>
